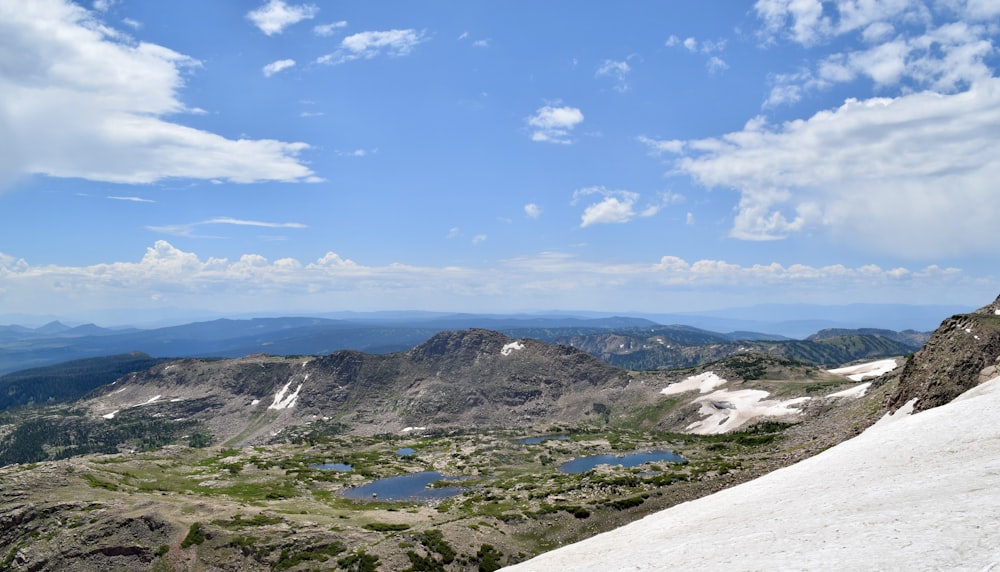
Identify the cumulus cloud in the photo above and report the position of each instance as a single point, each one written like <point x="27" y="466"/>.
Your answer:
<point x="81" y="100"/>
<point x="168" y="276"/>
<point x="273" y="17"/>
<point x="532" y="210"/>
<point x="367" y="45"/>
<point x="276" y="66"/>
<point x="614" y="207"/>
<point x="553" y="124"/>
<point x="942" y="46"/>
<point x="914" y="176"/>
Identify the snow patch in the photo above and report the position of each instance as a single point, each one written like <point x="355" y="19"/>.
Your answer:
<point x="111" y="415"/>
<point x="283" y="399"/>
<point x="153" y="399"/>
<point x="703" y="383"/>
<point x="863" y="370"/>
<point x="726" y="410"/>
<point x="255" y="402"/>
<point x="508" y="348"/>
<point x="411" y="429"/>
<point x="856" y="392"/>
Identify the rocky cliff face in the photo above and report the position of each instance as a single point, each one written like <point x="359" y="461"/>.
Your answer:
<point x="962" y="353"/>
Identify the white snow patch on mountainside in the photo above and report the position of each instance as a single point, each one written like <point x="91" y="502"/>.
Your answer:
<point x="703" y="383"/>
<point x="857" y="391"/>
<point x="283" y="399"/>
<point x="913" y="492"/>
<point x="508" y="348"/>
<point x="727" y="410"/>
<point x="870" y="369"/>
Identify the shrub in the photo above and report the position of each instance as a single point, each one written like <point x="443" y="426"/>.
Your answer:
<point x="195" y="535"/>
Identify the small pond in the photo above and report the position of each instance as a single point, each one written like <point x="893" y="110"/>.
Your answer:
<point x="408" y="487"/>
<point x="541" y="438"/>
<point x="340" y="467"/>
<point x="406" y="452"/>
<point x="584" y="464"/>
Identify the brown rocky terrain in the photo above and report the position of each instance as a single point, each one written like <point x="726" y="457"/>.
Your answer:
<point x="254" y="500"/>
<point x="961" y="354"/>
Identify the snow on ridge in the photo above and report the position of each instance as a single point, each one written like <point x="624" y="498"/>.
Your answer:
<point x="857" y="391"/>
<point x="508" y="348"/>
<point x="111" y="415"/>
<point x="153" y="399"/>
<point x="863" y="370"/>
<point x="918" y="492"/>
<point x="726" y="410"/>
<point x="411" y="429"/>
<point x="703" y="382"/>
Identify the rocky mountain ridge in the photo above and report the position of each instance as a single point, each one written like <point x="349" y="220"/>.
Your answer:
<point x="962" y="353"/>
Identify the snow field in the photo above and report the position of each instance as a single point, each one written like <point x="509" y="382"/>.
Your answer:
<point x="913" y="492"/>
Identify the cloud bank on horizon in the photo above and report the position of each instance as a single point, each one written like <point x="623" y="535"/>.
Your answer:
<point x="800" y="151"/>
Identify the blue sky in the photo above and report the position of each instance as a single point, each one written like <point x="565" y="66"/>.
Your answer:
<point x="646" y="156"/>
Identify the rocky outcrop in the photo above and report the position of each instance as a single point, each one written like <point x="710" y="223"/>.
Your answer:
<point x="962" y="353"/>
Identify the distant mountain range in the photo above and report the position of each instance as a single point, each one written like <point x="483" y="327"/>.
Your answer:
<point x="628" y="342"/>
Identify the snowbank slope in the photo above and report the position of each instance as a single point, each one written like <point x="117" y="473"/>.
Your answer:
<point x="918" y="492"/>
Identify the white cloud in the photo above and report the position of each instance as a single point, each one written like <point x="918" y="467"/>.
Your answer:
<point x="168" y="276"/>
<point x="659" y="146"/>
<point x="83" y="101"/>
<point x="188" y="229"/>
<point x="532" y="210"/>
<point x="616" y="71"/>
<point x="478" y="239"/>
<point x="327" y="30"/>
<point x="716" y="64"/>
<point x="914" y="176"/>
<point x="553" y="124"/>
<point x="131" y="199"/>
<point x="710" y="48"/>
<point x="357" y="153"/>
<point x="367" y="45"/>
<point x="907" y="44"/>
<point x="615" y="207"/>
<point x="273" y="17"/>
<point x="276" y="66"/>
